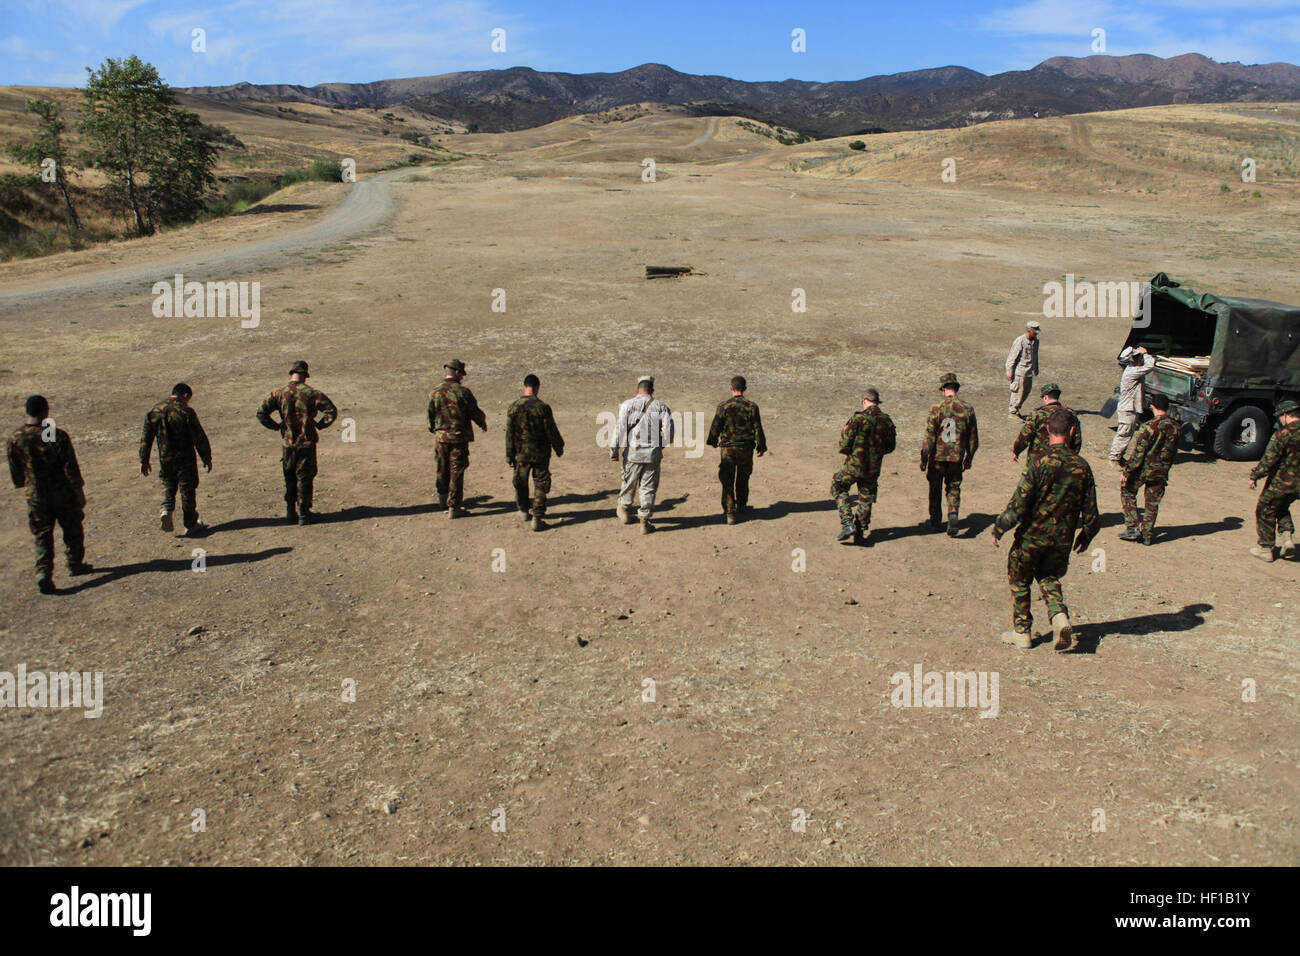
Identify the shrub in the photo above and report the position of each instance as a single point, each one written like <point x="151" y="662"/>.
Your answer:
<point x="857" y="144"/>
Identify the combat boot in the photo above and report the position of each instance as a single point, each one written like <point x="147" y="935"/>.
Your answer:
<point x="1288" y="546"/>
<point x="1264" y="554"/>
<point x="1130" y="534"/>
<point x="442" y="503"/>
<point x="623" y="516"/>
<point x="306" y="516"/>
<point x="952" y="524"/>
<point x="730" y="518"/>
<point x="646" y="526"/>
<point x="1021" y="639"/>
<point x="524" y="514"/>
<point x="45" y="585"/>
<point x="859" y="533"/>
<point x="165" y="520"/>
<point x="539" y="524"/>
<point x="197" y="530"/>
<point x="455" y="511"/>
<point x="847" y="530"/>
<point x="933" y="524"/>
<point x="1149" y="538"/>
<point x="290" y="514"/>
<point x="1063" y="632"/>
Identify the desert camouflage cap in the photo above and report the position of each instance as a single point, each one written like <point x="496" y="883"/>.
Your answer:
<point x="1033" y="325"/>
<point x="1287" y="407"/>
<point x="646" y="380"/>
<point x="299" y="368"/>
<point x="1049" y="388"/>
<point x="949" y="380"/>
<point x="456" y="365"/>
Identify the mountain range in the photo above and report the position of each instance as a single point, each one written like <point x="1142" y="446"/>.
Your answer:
<point x="945" y="97"/>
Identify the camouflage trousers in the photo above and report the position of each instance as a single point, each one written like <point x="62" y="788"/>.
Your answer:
<point x="299" y="465"/>
<point x="842" y="481"/>
<point x="1029" y="562"/>
<point x="1128" y="490"/>
<point x="42" y="514"/>
<point x="1273" y="516"/>
<point x="185" y="477"/>
<point x="541" y="472"/>
<point x="735" y="466"/>
<point x="452" y="458"/>
<point x="944" y="475"/>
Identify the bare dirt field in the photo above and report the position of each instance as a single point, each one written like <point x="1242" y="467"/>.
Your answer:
<point x="521" y="689"/>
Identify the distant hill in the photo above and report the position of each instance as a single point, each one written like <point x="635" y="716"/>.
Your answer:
<point x="946" y="97"/>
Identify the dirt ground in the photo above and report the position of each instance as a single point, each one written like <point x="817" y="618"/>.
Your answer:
<point x="516" y="694"/>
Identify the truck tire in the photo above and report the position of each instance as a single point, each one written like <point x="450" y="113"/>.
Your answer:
<point x="1243" y="435"/>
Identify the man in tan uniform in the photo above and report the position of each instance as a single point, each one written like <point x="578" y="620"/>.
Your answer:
<point x="1022" y="366"/>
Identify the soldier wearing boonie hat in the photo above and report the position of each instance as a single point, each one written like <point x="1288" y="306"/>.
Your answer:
<point x="453" y="411"/>
<point x="1022" y="366"/>
<point x="951" y="440"/>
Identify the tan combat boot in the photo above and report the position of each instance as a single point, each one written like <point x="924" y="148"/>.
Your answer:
<point x="646" y="526"/>
<point x="1288" y="546"/>
<point x="623" y="515"/>
<point x="1022" y="639"/>
<point x="1063" y="632"/>
<point x="1264" y="554"/>
<point x="165" y="520"/>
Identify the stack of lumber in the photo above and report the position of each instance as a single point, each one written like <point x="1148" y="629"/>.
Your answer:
<point x="1196" y="365"/>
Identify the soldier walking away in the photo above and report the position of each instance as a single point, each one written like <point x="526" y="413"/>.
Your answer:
<point x="299" y="405"/>
<point x="42" y="460"/>
<point x="1033" y="433"/>
<point x="868" y="436"/>
<point x="453" y="411"/>
<point x="531" y="436"/>
<point x="1137" y="364"/>
<point x="951" y="439"/>
<point x="644" y="429"/>
<point x="1055" y="496"/>
<point x="175" y="427"/>
<point x="1022" y="366"/>
<point x="1281" y="467"/>
<point x="737" y="430"/>
<point x="1154" y="450"/>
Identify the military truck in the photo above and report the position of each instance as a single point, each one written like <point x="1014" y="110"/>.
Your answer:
<point x="1223" y="362"/>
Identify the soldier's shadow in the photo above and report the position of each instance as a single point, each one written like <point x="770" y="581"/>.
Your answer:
<point x="564" y="517"/>
<point x="1174" y="532"/>
<point x="108" y="575"/>
<point x="1090" y="636"/>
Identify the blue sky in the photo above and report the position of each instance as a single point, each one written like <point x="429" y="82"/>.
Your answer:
<point x="49" y="42"/>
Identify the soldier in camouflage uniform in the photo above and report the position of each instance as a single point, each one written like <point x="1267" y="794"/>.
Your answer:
<point x="175" y="427"/>
<point x="531" y="436"/>
<point x="951" y="439"/>
<point x="42" y="460"/>
<point x="452" y="410"/>
<point x="1055" y="496"/>
<point x="299" y="405"/>
<point x="737" y="430"/>
<point x="1281" y="467"/>
<point x="1154" y="450"/>
<point x="868" y="436"/>
<point x="1033" y="433"/>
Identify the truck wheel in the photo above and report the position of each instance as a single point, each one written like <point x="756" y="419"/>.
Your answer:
<point x="1187" y="436"/>
<point x="1243" y="434"/>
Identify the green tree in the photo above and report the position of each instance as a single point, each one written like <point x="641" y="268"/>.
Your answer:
<point x="158" y="157"/>
<point x="49" y="145"/>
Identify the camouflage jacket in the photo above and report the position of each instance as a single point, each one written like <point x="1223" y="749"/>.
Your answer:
<point x="1154" y="450"/>
<point x="1281" y="461"/>
<point x="452" y="412"/>
<point x="1055" y="496"/>
<point x="737" y="424"/>
<point x="298" y="405"/>
<point x="866" y="439"/>
<point x="44" y="468"/>
<point x="531" y="434"/>
<point x="951" y="433"/>
<point x="177" y="430"/>
<point x="1033" y="433"/>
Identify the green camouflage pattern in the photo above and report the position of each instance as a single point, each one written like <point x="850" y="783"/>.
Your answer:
<point x="737" y="424"/>
<point x="541" y="475"/>
<point x="451" y="459"/>
<point x="42" y="468"/>
<point x="1273" y="516"/>
<point x="1154" y="449"/>
<point x="176" y="429"/>
<point x="864" y="440"/>
<point x="298" y="463"/>
<point x="531" y="434"/>
<point x="842" y="483"/>
<point x="51" y="478"/>
<point x="1281" y="461"/>
<point x="1144" y="522"/>
<point x="951" y="433"/>
<point x="1055" y="496"/>
<point x="944" y="478"/>
<point x="735" y="466"/>
<point x="1033" y="433"/>
<point x="299" y="405"/>
<point x="452" y="410"/>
